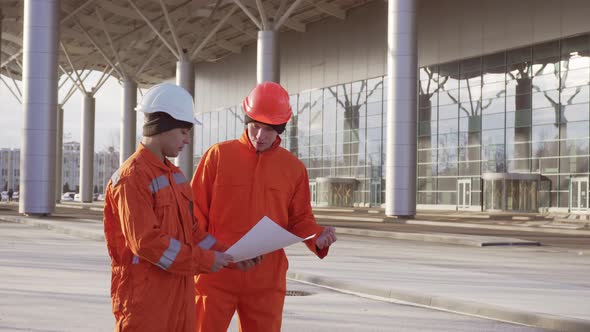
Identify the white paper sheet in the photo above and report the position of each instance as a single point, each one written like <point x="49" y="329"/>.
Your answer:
<point x="266" y="236"/>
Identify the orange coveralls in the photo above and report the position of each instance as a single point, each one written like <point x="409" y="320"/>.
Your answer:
<point x="153" y="240"/>
<point x="234" y="187"/>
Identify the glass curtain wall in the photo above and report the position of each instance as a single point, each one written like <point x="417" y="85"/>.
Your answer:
<point x="525" y="110"/>
<point x="336" y="131"/>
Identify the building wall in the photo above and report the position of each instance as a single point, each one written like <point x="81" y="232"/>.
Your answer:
<point x="335" y="51"/>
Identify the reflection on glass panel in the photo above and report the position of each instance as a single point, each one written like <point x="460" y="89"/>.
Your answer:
<point x="545" y="133"/>
<point x="448" y="140"/>
<point x="448" y="126"/>
<point x="469" y="168"/>
<point x="448" y="83"/>
<point x="573" y="164"/>
<point x="427" y="156"/>
<point x="575" y="95"/>
<point x="490" y="137"/>
<point x="574" y="77"/>
<point x="206" y="131"/>
<point x="375" y="90"/>
<point x="447" y="183"/>
<point x="546" y="58"/>
<point x="427" y="142"/>
<point x="545" y="116"/>
<point x="214" y="127"/>
<point x="448" y="111"/>
<point x="449" y="198"/>
<point x="426" y="169"/>
<point x="222" y="125"/>
<point x="574" y="147"/>
<point x="545" y="99"/>
<point x="518" y="119"/>
<point x="470" y="124"/>
<point x="303" y="117"/>
<point x="316" y="107"/>
<point x="493" y="90"/>
<point x="493" y="121"/>
<point x="545" y="149"/>
<point x="470" y="139"/>
<point x="517" y="103"/>
<point x="574" y="130"/>
<point x="546" y="82"/>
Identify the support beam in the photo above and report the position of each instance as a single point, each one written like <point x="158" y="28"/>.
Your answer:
<point x="328" y="8"/>
<point x="286" y="15"/>
<point x="110" y="40"/>
<point x="87" y="149"/>
<point x="402" y="62"/>
<point x="129" y="119"/>
<point x="149" y="23"/>
<point x="171" y="27"/>
<point x="72" y="67"/>
<point x="40" y="54"/>
<point x="212" y="33"/>
<point x="263" y="19"/>
<point x="99" y="49"/>
<point x="248" y="13"/>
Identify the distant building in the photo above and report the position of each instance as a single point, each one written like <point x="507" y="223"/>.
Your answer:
<point x="105" y="164"/>
<point x="9" y="169"/>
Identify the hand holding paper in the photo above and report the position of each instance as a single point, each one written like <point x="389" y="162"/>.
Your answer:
<point x="264" y="237"/>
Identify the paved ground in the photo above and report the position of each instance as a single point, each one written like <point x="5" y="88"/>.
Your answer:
<point x="544" y="286"/>
<point x="55" y="282"/>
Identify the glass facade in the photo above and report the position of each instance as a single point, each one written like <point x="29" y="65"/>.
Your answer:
<point x="337" y="132"/>
<point x="521" y="111"/>
<point x="502" y="116"/>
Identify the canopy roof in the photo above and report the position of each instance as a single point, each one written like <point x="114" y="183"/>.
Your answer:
<point x="143" y="39"/>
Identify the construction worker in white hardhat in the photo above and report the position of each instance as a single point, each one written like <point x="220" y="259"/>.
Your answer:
<point x="151" y="231"/>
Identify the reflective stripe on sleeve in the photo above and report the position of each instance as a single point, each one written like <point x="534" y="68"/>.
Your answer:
<point x="207" y="242"/>
<point x="169" y="255"/>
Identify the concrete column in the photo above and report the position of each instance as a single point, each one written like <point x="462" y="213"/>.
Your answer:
<point x="59" y="153"/>
<point x="40" y="55"/>
<point x="129" y="118"/>
<point x="268" y="67"/>
<point x="402" y="60"/>
<point x="185" y="77"/>
<point x="87" y="150"/>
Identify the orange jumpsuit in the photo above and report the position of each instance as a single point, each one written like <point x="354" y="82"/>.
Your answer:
<point x="155" y="245"/>
<point x="234" y="187"/>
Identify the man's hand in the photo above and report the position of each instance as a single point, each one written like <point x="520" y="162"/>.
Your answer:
<point x="221" y="260"/>
<point x="327" y="237"/>
<point x="249" y="263"/>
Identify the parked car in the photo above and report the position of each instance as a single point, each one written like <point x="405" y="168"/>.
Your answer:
<point x="4" y="196"/>
<point x="100" y="197"/>
<point x="77" y="197"/>
<point x="15" y="196"/>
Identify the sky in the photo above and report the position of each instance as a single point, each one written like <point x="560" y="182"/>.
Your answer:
<point x="107" y="115"/>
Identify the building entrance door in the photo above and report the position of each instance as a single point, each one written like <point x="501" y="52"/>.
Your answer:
<point x="313" y="193"/>
<point x="463" y="194"/>
<point x="579" y="194"/>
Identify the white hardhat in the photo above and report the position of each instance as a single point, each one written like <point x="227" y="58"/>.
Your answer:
<point x="171" y="99"/>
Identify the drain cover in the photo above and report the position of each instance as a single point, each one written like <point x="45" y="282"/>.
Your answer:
<point x="297" y="293"/>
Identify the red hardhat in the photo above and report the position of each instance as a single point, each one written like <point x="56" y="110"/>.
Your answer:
<point x="268" y="103"/>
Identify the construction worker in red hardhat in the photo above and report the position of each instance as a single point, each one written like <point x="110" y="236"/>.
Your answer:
<point x="236" y="184"/>
<point x="152" y="235"/>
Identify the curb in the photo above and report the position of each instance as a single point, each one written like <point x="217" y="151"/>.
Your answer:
<point x="456" y="239"/>
<point x="50" y="225"/>
<point x="546" y="321"/>
<point x="534" y="229"/>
